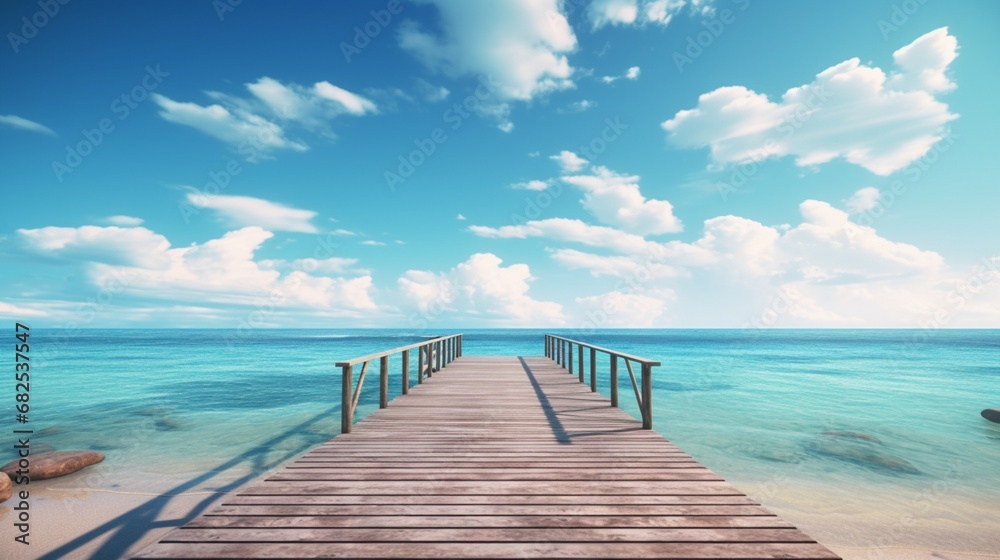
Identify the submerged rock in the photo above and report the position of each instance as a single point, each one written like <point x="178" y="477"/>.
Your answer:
<point x="55" y="464"/>
<point x="166" y="424"/>
<point x="991" y="414"/>
<point x="853" y="435"/>
<point x="49" y="431"/>
<point x="6" y="487"/>
<point x="153" y="411"/>
<point x="862" y="455"/>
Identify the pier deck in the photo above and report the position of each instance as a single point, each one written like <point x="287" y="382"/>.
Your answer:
<point x="492" y="457"/>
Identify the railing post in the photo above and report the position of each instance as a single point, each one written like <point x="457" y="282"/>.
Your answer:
<point x="420" y="365"/>
<point x="406" y="372"/>
<point x="647" y="396"/>
<point x="593" y="370"/>
<point x="614" y="380"/>
<point x="383" y="382"/>
<point x="437" y="356"/>
<point x="570" y="362"/>
<point x="459" y="345"/>
<point x="579" y="360"/>
<point x="346" y="413"/>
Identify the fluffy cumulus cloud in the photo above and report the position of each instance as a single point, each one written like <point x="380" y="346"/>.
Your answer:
<point x="520" y="45"/>
<point x="22" y="123"/>
<point x="616" y="200"/>
<point x="638" y="12"/>
<point x="568" y="161"/>
<point x="480" y="289"/>
<point x="134" y="246"/>
<point x="240" y="211"/>
<point x="879" y="121"/>
<point x="220" y="271"/>
<point x="831" y="268"/>
<point x="258" y="124"/>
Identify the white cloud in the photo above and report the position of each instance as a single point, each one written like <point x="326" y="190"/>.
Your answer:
<point x="25" y="124"/>
<point x="631" y="74"/>
<point x="345" y="232"/>
<point x="612" y="12"/>
<point x="239" y="128"/>
<point x="352" y="102"/>
<point x="123" y="221"/>
<point x="621" y="310"/>
<point x="519" y="45"/>
<point x="219" y="271"/>
<point x="637" y="12"/>
<point x="923" y="63"/>
<point x="617" y="266"/>
<point x="113" y="245"/>
<point x="249" y="211"/>
<point x="862" y="200"/>
<point x="615" y="199"/>
<point x="461" y="217"/>
<point x="850" y="111"/>
<point x="373" y="243"/>
<point x="532" y="185"/>
<point x="480" y="289"/>
<point x="257" y="125"/>
<point x="575" y="231"/>
<point x="578" y="106"/>
<point x="12" y="311"/>
<point x="569" y="161"/>
<point x="330" y="265"/>
<point x="431" y="92"/>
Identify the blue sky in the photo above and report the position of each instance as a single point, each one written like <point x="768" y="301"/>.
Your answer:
<point x="443" y="163"/>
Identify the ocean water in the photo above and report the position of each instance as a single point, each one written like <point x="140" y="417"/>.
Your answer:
<point x="861" y="437"/>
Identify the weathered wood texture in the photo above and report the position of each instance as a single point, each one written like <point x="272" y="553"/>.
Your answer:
<point x="493" y="457"/>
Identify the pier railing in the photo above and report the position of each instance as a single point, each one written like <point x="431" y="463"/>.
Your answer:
<point x="561" y="351"/>
<point x="432" y="355"/>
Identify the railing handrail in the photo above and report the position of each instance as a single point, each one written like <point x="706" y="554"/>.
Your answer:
<point x="378" y="355"/>
<point x="560" y="349"/>
<point x="608" y="351"/>
<point x="433" y="354"/>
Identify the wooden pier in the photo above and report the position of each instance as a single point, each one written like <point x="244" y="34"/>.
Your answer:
<point x="492" y="457"/>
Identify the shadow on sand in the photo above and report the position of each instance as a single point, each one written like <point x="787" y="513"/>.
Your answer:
<point x="124" y="531"/>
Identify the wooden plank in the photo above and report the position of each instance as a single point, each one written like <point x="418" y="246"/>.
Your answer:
<point x="746" y="551"/>
<point x="493" y="457"/>
<point x="468" y="521"/>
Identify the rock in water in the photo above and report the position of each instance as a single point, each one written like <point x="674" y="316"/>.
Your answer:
<point x="853" y="435"/>
<point x="863" y="455"/>
<point x="992" y="414"/>
<point x="6" y="487"/>
<point x="55" y="464"/>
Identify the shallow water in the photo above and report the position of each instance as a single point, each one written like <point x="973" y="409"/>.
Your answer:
<point x="843" y="432"/>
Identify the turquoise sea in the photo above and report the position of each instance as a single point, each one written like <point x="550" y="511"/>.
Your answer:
<point x="863" y="438"/>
